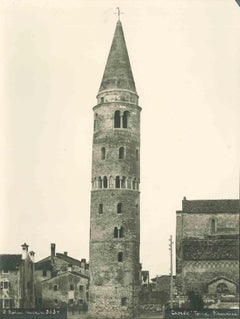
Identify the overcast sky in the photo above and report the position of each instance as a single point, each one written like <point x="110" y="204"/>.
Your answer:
<point x="185" y="57"/>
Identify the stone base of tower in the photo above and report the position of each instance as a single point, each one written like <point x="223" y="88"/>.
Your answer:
<point x="106" y="302"/>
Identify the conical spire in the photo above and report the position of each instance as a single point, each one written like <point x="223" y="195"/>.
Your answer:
<point x="118" y="72"/>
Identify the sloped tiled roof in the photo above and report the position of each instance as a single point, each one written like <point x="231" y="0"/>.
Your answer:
<point x="211" y="206"/>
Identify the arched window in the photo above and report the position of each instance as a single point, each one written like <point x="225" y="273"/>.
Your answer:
<point x="105" y="182"/>
<point x="117" y="119"/>
<point x="125" y="119"/>
<point x="117" y="182"/>
<point x="119" y="208"/>
<point x="213" y="226"/>
<point x="121" y="153"/>
<point x="120" y="256"/>
<point x="103" y="153"/>
<point x="137" y="155"/>
<point x="99" y="182"/>
<point x="123" y="182"/>
<point x="100" y="208"/>
<point x="133" y="184"/>
<point x="95" y="122"/>
<point x="121" y="232"/>
<point x="115" y="233"/>
<point x="137" y="209"/>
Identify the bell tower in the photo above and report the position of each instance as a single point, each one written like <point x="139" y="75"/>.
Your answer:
<point x="115" y="196"/>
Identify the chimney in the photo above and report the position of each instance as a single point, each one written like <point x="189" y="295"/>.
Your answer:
<point x="32" y="255"/>
<point x="65" y="253"/>
<point x="53" y="250"/>
<point x="24" y="250"/>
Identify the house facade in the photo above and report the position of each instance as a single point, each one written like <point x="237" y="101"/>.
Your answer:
<point x="17" y="280"/>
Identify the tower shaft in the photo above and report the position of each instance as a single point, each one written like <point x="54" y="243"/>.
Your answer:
<point x="115" y="196"/>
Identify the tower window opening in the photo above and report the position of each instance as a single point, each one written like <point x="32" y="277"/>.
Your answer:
<point x="117" y="182"/>
<point x="95" y="122"/>
<point x="117" y="119"/>
<point x="103" y="153"/>
<point x="134" y="184"/>
<point x="137" y="209"/>
<point x="105" y="182"/>
<point x="123" y="301"/>
<point x="213" y="226"/>
<point x="100" y="208"/>
<point x="123" y="182"/>
<point x="121" y="232"/>
<point x="102" y="99"/>
<point x="121" y="153"/>
<point x="119" y="208"/>
<point x="115" y="233"/>
<point x="99" y="182"/>
<point x="125" y="119"/>
<point x="120" y="256"/>
<point x="137" y="155"/>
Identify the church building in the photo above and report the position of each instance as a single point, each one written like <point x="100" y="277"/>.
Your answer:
<point x="207" y="247"/>
<point x="115" y="198"/>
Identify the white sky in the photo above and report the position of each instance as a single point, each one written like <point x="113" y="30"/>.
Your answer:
<point x="185" y="56"/>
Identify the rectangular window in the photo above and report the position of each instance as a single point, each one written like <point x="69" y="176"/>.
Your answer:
<point x="5" y="284"/>
<point x="44" y="273"/>
<point x="124" y="301"/>
<point x="5" y="271"/>
<point x="71" y="287"/>
<point x="100" y="208"/>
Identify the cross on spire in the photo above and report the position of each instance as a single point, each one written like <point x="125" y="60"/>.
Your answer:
<point x="118" y="13"/>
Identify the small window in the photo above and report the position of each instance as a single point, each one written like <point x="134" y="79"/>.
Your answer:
<point x="70" y="301"/>
<point x="44" y="273"/>
<point x="125" y="119"/>
<point x="103" y="153"/>
<point x="120" y="256"/>
<point x="134" y="184"/>
<point x="95" y="122"/>
<point x="55" y="287"/>
<point x="117" y="182"/>
<point x="213" y="226"/>
<point x="99" y="182"/>
<point x="55" y="302"/>
<point x="137" y="155"/>
<point x="117" y="119"/>
<point x="115" y="232"/>
<point x="71" y="287"/>
<point x="5" y="284"/>
<point x="102" y="99"/>
<point x="100" y="208"/>
<point x="121" y="153"/>
<point x="137" y="209"/>
<point x="5" y="271"/>
<point x="124" y="301"/>
<point x="119" y="208"/>
<point x="81" y="288"/>
<point x="123" y="182"/>
<point x="105" y="182"/>
<point x="121" y="232"/>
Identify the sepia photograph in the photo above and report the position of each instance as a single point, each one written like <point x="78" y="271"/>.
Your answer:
<point x="120" y="159"/>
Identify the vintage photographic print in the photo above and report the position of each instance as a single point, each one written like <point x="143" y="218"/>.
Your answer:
<point x="120" y="159"/>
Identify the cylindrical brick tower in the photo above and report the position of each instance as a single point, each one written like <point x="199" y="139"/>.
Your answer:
<point x="115" y="196"/>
